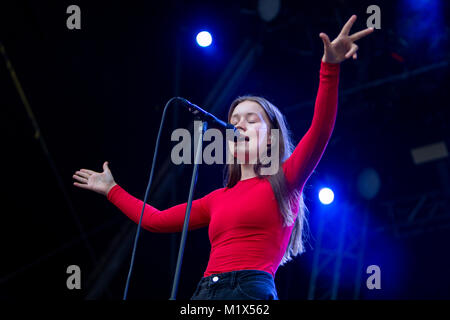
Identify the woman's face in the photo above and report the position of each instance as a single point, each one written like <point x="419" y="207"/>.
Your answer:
<point x="252" y="122"/>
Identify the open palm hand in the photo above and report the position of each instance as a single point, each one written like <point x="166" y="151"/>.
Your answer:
<point x="100" y="182"/>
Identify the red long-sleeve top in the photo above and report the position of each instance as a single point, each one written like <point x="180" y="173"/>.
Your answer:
<point x="245" y="224"/>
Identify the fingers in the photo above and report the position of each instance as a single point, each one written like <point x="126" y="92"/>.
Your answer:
<point x="355" y="56"/>
<point x="348" y="25"/>
<point x="81" y="185"/>
<point x="325" y="39"/>
<point x="83" y="174"/>
<point x="352" y="51"/>
<point x="80" y="177"/>
<point x="88" y="171"/>
<point x="361" y="34"/>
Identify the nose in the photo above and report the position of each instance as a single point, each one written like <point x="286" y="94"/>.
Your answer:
<point x="240" y="129"/>
<point x="241" y="125"/>
<point x="241" y="132"/>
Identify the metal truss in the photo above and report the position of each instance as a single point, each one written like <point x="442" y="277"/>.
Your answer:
<point x="414" y="215"/>
<point x="343" y="251"/>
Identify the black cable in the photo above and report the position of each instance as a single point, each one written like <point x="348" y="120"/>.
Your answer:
<point x="146" y="195"/>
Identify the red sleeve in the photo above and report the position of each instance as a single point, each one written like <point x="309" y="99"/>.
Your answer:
<point x="307" y="154"/>
<point x="154" y="220"/>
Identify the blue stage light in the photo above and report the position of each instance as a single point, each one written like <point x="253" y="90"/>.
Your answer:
<point x="204" y="39"/>
<point x="326" y="196"/>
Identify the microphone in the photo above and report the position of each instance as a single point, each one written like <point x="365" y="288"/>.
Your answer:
<point x="204" y="115"/>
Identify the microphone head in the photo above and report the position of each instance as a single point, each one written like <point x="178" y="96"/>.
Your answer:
<point x="237" y="135"/>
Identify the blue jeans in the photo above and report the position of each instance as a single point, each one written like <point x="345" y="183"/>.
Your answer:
<point x="237" y="285"/>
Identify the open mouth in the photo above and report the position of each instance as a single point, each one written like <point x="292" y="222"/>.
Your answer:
<point x="241" y="138"/>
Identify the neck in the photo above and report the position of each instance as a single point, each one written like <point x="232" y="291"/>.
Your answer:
<point x="247" y="171"/>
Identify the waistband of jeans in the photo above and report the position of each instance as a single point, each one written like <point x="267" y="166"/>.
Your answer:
<point x="231" y="277"/>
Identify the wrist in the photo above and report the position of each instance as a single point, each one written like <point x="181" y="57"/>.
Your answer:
<point x="109" y="188"/>
<point x="324" y="59"/>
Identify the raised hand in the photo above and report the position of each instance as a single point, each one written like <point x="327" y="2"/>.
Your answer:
<point x="100" y="182"/>
<point x="344" y="46"/>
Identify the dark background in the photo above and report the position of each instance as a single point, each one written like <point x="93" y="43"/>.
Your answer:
<point x="98" y="94"/>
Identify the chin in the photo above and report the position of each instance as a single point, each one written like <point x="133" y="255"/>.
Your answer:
<point x="241" y="153"/>
<point x="244" y="158"/>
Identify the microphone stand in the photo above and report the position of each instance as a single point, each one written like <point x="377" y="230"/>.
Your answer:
<point x="204" y="117"/>
<point x="201" y="129"/>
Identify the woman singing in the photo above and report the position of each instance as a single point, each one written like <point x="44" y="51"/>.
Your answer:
<point x="255" y="223"/>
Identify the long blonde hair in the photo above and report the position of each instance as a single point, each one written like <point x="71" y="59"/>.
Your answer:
<point x="291" y="203"/>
